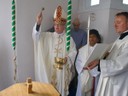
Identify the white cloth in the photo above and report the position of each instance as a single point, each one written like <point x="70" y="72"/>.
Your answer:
<point x="47" y="45"/>
<point x="114" y="71"/>
<point x="84" y="78"/>
<point x="94" y="72"/>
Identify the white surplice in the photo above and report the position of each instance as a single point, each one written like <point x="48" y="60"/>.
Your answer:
<point x="84" y="78"/>
<point x="48" y="46"/>
<point x="114" y="71"/>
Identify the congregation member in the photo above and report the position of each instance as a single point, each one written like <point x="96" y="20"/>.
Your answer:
<point x="79" y="35"/>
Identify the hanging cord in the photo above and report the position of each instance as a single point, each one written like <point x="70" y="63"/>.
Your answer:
<point x="15" y="68"/>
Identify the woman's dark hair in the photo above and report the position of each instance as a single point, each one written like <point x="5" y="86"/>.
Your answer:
<point x="95" y="32"/>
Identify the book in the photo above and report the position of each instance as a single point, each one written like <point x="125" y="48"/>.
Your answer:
<point x="98" y="52"/>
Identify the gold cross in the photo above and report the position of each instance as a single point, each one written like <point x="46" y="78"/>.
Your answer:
<point x="58" y="50"/>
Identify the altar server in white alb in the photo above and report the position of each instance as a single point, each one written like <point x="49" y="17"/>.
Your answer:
<point x="50" y="45"/>
<point x="114" y="70"/>
<point x="85" y="79"/>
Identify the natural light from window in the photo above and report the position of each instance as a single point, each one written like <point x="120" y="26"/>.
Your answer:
<point x="125" y="2"/>
<point x="95" y="2"/>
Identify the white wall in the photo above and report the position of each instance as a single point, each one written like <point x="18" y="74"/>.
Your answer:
<point x="104" y="17"/>
<point x="6" y="52"/>
<point x="101" y="17"/>
<point x="116" y="6"/>
<point x="100" y="22"/>
<point x="26" y="14"/>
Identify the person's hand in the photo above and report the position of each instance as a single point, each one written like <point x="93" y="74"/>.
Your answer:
<point x="39" y="18"/>
<point x="92" y="64"/>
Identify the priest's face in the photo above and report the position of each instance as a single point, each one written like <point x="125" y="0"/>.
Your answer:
<point x="121" y="24"/>
<point x="59" y="28"/>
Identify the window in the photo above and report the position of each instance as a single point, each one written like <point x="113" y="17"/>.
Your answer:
<point x="125" y="2"/>
<point x="95" y="2"/>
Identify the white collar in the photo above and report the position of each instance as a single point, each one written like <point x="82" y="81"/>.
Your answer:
<point x="61" y="34"/>
<point x="125" y="31"/>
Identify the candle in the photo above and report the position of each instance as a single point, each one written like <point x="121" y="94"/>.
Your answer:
<point x="88" y="29"/>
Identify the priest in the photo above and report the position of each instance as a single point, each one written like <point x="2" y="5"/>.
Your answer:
<point x="49" y="47"/>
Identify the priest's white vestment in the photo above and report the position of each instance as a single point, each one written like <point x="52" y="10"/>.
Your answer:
<point x="114" y="71"/>
<point x="48" y="46"/>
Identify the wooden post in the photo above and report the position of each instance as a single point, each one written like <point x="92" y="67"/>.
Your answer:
<point x="29" y="85"/>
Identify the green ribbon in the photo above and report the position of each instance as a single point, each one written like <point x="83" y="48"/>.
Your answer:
<point x="13" y="25"/>
<point x="68" y="25"/>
